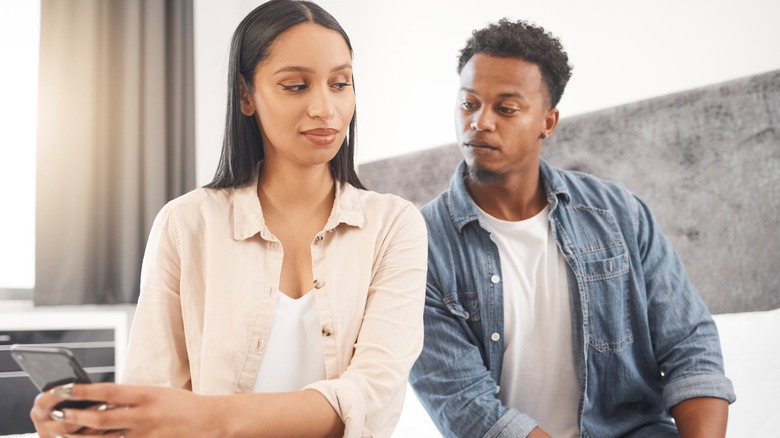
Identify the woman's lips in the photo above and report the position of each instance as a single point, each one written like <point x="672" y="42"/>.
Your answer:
<point x="321" y="137"/>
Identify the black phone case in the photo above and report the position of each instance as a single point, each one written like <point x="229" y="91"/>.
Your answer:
<point x="49" y="367"/>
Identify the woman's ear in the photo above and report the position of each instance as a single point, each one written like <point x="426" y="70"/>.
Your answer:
<point x="247" y="101"/>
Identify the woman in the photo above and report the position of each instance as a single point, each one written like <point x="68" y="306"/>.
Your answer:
<point x="282" y="299"/>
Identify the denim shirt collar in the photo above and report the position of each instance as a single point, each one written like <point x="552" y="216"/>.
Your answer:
<point x="248" y="217"/>
<point x="461" y="206"/>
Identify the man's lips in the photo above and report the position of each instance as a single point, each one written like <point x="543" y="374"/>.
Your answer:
<point x="321" y="136"/>
<point x="479" y="145"/>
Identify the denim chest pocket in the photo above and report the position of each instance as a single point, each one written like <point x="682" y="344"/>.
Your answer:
<point x="608" y="299"/>
<point x="464" y="305"/>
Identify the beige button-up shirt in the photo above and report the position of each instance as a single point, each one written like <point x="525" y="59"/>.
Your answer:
<point x="207" y="299"/>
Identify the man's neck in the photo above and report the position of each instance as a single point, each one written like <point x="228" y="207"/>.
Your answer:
<point x="511" y="197"/>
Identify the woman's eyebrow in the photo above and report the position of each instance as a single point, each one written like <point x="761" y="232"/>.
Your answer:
<point x="298" y="68"/>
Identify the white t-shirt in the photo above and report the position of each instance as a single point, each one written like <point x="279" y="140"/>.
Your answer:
<point x="537" y="375"/>
<point x="293" y="357"/>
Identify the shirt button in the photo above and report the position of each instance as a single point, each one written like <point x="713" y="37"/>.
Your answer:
<point x="318" y="284"/>
<point x="495" y="337"/>
<point x="327" y="331"/>
<point x="495" y="279"/>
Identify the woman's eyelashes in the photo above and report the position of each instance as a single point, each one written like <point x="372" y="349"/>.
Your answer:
<point x="299" y="87"/>
<point x="293" y="87"/>
<point x="341" y="85"/>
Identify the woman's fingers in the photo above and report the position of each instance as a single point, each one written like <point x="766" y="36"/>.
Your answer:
<point x="108" y="434"/>
<point x="46" y="423"/>
<point x="53" y="419"/>
<point x="110" y="393"/>
<point x="45" y="402"/>
<point x="109" y="419"/>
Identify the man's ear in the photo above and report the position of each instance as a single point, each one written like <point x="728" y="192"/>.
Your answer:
<point x="247" y="101"/>
<point x="550" y="121"/>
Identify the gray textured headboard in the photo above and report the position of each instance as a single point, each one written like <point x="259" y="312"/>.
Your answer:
<point x="707" y="162"/>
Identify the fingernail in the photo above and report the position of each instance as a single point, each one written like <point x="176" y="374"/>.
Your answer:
<point x="57" y="416"/>
<point x="104" y="407"/>
<point x="64" y="391"/>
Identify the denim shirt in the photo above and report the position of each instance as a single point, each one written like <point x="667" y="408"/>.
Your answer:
<point x="643" y="339"/>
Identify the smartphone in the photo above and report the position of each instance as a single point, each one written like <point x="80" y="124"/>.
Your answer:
<point x="49" y="367"/>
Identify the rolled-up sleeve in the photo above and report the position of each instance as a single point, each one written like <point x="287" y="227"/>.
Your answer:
<point x="369" y="394"/>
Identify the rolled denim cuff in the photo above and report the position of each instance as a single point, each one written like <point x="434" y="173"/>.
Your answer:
<point x="512" y="424"/>
<point x="698" y="385"/>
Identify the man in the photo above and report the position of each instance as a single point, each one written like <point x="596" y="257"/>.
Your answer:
<point x="555" y="305"/>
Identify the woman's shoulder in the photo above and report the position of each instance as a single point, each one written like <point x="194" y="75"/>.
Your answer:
<point x="390" y="210"/>
<point x="199" y="198"/>
<point x="387" y="201"/>
<point x="199" y="206"/>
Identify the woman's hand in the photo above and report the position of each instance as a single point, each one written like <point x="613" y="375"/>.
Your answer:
<point x="129" y="411"/>
<point x="48" y="421"/>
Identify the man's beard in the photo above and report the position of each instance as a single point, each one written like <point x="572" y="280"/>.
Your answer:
<point x="481" y="175"/>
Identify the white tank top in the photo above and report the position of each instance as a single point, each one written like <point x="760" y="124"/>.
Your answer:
<point x="537" y="376"/>
<point x="293" y="357"/>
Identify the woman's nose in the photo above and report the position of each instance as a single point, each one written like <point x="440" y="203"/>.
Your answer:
<point x="321" y="105"/>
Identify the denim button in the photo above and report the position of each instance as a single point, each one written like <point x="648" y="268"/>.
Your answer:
<point x="466" y="315"/>
<point x="495" y="336"/>
<point x="495" y="279"/>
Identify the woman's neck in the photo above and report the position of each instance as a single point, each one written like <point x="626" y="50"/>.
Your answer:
<point x="296" y="190"/>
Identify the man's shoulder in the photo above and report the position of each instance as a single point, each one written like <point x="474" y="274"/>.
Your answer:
<point x="586" y="188"/>
<point x="434" y="208"/>
<point x="442" y="229"/>
<point x="582" y="178"/>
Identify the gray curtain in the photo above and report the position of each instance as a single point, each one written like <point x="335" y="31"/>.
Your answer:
<point x="115" y="140"/>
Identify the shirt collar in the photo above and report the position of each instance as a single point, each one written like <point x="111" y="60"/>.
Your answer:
<point x="459" y="203"/>
<point x="463" y="210"/>
<point x="248" y="214"/>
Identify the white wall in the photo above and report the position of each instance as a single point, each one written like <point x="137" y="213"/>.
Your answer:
<point x="405" y="55"/>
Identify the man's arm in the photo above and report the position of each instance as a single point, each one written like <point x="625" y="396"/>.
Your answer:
<point x="538" y="433"/>
<point x="685" y="337"/>
<point x="453" y="383"/>
<point x="701" y="417"/>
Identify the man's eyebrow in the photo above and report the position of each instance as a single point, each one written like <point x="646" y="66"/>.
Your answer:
<point x="298" y="68"/>
<point x="509" y="95"/>
<point x="502" y="95"/>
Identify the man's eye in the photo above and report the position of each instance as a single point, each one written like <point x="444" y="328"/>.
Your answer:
<point x="294" y="87"/>
<point x="467" y="105"/>
<point x="341" y="85"/>
<point x="507" y="110"/>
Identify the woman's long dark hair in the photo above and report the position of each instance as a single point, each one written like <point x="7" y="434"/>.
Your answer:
<point x="242" y="146"/>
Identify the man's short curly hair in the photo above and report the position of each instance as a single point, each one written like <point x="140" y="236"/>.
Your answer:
<point x="525" y="41"/>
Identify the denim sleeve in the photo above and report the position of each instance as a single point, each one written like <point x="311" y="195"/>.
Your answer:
<point x="684" y="335"/>
<point x="453" y="383"/>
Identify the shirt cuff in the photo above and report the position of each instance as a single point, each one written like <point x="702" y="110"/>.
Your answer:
<point x="512" y="424"/>
<point x="698" y="385"/>
<point x="347" y="400"/>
